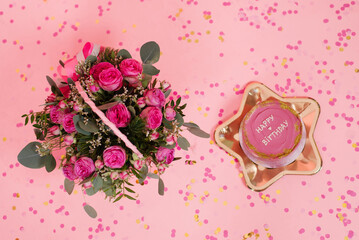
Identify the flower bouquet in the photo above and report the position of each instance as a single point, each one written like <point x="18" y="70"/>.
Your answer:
<point x="116" y="123"/>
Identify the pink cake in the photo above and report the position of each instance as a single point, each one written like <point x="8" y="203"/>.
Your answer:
<point x="272" y="134"/>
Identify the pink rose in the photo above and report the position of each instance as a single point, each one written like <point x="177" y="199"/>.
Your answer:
<point x="130" y="67"/>
<point x="73" y="159"/>
<point x="99" y="164"/>
<point x="114" y="157"/>
<point x="166" y="85"/>
<point x="119" y="115"/>
<point x="68" y="171"/>
<point x="152" y="116"/>
<point x="138" y="164"/>
<point x="170" y="139"/>
<point x="170" y="113"/>
<point x="68" y="140"/>
<point x="141" y="102"/>
<point x="84" y="167"/>
<point x="165" y="155"/>
<point x="154" y="135"/>
<point x="114" y="175"/>
<point x="51" y="98"/>
<point x="56" y="114"/>
<point x="68" y="123"/>
<point x="54" y="130"/>
<point x="161" y="168"/>
<point x="155" y="98"/>
<point x="110" y="79"/>
<point x="68" y="71"/>
<point x="98" y="68"/>
<point x="62" y="104"/>
<point x="124" y="175"/>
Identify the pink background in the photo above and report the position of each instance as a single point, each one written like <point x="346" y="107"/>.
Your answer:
<point x="210" y="50"/>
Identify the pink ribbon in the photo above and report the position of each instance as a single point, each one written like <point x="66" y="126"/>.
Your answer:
<point x="105" y="120"/>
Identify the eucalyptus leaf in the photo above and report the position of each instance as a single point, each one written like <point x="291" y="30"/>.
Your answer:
<point x="50" y="163"/>
<point x="152" y="175"/>
<point x="62" y="63"/>
<point x="90" y="211"/>
<point x="91" y="191"/>
<point x="179" y="119"/>
<point x="107" y="105"/>
<point x="150" y="70"/>
<point x="150" y="52"/>
<point x="108" y="192"/>
<point x="146" y="80"/>
<point x="91" y="126"/>
<point x="183" y="143"/>
<point x="198" y="132"/>
<point x="129" y="190"/>
<point x="167" y="124"/>
<point x="91" y="59"/>
<point x="28" y="156"/>
<point x="168" y="92"/>
<point x="143" y="173"/>
<point x="124" y="54"/>
<point x="54" y="87"/>
<point x="97" y="183"/>
<point x="190" y="125"/>
<point x="161" y="187"/>
<point x="76" y="120"/>
<point x="69" y="186"/>
<point x="172" y="146"/>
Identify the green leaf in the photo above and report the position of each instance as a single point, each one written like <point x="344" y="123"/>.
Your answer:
<point x="146" y="80"/>
<point x="129" y="197"/>
<point x="152" y="175"/>
<point x="90" y="211"/>
<point x="143" y="174"/>
<point x="129" y="190"/>
<point x="39" y="135"/>
<point x="170" y="146"/>
<point x="150" y="70"/>
<point x="119" y="198"/>
<point x="62" y="63"/>
<point x="28" y="156"/>
<point x="70" y="81"/>
<point x="37" y="125"/>
<point x="50" y="163"/>
<point x="69" y="186"/>
<point x="150" y="52"/>
<point x="91" y="126"/>
<point x="168" y="92"/>
<point x="91" y="191"/>
<point x="179" y="119"/>
<point x="91" y="59"/>
<point x="26" y="120"/>
<point x="198" y="132"/>
<point x="97" y="183"/>
<point x="132" y="110"/>
<point x="54" y="87"/>
<point x="183" y="143"/>
<point x="190" y="125"/>
<point x="167" y="124"/>
<point x="124" y="54"/>
<point x="161" y="187"/>
<point x="76" y="120"/>
<point x="178" y="101"/>
<point x="32" y="118"/>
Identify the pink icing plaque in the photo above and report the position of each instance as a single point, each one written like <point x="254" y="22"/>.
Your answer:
<point x="271" y="134"/>
<point x="272" y="129"/>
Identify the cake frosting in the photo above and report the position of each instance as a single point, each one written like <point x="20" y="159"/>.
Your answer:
<point x="272" y="134"/>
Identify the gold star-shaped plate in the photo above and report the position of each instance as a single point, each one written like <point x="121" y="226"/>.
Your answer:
<point x="256" y="176"/>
